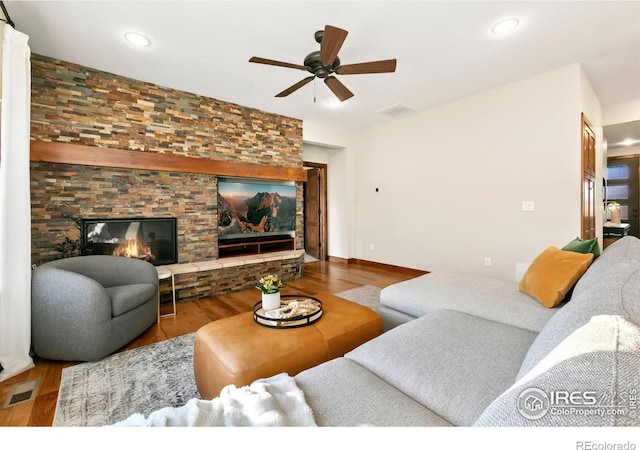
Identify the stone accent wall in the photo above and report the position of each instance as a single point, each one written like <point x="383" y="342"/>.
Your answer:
<point x="76" y="104"/>
<point x="71" y="103"/>
<point x="60" y="192"/>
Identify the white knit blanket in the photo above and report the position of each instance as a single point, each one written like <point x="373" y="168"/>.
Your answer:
<point x="275" y="401"/>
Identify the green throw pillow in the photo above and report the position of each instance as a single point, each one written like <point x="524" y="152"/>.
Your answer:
<point x="580" y="246"/>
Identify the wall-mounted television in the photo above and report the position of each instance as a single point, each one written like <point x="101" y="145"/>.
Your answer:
<point x="250" y="208"/>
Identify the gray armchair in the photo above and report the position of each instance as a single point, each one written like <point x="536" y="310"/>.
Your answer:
<point x="87" y="307"/>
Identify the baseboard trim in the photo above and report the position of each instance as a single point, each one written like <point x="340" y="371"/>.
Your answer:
<point x="384" y="265"/>
<point x="364" y="262"/>
<point x="336" y="259"/>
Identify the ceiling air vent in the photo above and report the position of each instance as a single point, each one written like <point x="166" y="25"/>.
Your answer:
<point x="396" y="110"/>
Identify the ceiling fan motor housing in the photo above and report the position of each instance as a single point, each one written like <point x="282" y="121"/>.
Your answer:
<point x="315" y="66"/>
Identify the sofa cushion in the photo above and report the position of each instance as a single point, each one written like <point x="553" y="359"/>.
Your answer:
<point x="343" y="393"/>
<point x="581" y="246"/>
<point x="125" y="298"/>
<point x="481" y="296"/>
<point x="598" y="366"/>
<point x="553" y="273"/>
<point x="453" y="363"/>
<point x="617" y="292"/>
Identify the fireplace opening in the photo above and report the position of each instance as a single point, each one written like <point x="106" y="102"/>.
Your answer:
<point x="150" y="239"/>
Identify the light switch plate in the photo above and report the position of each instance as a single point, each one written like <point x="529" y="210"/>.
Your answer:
<point x="528" y="205"/>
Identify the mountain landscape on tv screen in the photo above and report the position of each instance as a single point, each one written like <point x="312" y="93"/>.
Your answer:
<point x="263" y="213"/>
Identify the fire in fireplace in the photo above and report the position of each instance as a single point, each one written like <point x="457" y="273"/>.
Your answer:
<point x="150" y="239"/>
<point x="133" y="249"/>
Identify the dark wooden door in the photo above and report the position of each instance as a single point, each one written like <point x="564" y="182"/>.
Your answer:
<point x="312" y="228"/>
<point x="588" y="143"/>
<point x="623" y="188"/>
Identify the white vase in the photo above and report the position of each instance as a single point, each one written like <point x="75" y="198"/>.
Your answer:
<point x="270" y="301"/>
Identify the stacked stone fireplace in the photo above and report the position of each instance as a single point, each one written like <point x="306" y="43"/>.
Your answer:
<point x="73" y="104"/>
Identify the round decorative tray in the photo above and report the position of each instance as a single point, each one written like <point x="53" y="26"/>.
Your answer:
<point x="285" y="317"/>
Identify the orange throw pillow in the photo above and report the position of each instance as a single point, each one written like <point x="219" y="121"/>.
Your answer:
<point x="553" y="273"/>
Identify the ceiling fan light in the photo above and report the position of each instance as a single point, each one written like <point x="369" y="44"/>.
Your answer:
<point x="505" y="26"/>
<point x="137" y="39"/>
<point x="333" y="103"/>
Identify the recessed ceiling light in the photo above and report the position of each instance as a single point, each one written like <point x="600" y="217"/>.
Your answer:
<point x="628" y="142"/>
<point x="137" y="39"/>
<point x="504" y="26"/>
<point x="333" y="103"/>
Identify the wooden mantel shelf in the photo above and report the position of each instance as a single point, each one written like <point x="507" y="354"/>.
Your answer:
<point x="63" y="153"/>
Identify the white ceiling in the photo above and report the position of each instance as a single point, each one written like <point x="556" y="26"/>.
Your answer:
<point x="619" y="135"/>
<point x="445" y="49"/>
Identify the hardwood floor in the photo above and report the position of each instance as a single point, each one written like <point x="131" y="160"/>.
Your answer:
<point x="319" y="277"/>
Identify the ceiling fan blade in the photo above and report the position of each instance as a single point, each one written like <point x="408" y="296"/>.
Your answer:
<point x="272" y="62"/>
<point x="295" y="87"/>
<point x="388" y="65"/>
<point x="339" y="89"/>
<point x="332" y="40"/>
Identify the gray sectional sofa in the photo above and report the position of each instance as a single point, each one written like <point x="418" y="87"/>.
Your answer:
<point x="462" y="350"/>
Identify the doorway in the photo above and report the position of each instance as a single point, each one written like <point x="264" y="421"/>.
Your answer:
<point x="623" y="188"/>
<point x="588" y="144"/>
<point x="315" y="210"/>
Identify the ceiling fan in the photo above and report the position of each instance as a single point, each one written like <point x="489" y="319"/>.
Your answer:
<point x="325" y="62"/>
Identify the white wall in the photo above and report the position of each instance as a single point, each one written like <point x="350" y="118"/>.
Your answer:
<point x="451" y="180"/>
<point x="1" y="34"/>
<point x="624" y="151"/>
<point x="621" y="113"/>
<point x="323" y="135"/>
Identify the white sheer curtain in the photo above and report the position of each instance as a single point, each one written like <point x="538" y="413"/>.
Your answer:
<point x="15" y="206"/>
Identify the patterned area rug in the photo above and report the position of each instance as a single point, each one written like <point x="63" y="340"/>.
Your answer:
<point x="142" y="380"/>
<point x="368" y="296"/>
